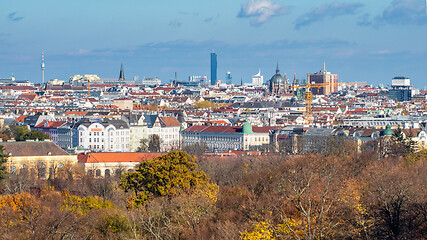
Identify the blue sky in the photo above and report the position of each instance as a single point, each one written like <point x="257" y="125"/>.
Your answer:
<point x="370" y="41"/>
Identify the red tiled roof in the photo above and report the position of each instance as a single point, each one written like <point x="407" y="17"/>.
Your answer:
<point x="20" y="118"/>
<point x="81" y="113"/>
<point x="118" y="157"/>
<point x="51" y="124"/>
<point x="169" y="121"/>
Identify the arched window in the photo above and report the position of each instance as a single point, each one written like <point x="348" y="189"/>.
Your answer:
<point x="41" y="170"/>
<point x="98" y="172"/>
<point x="51" y="172"/>
<point x="118" y="172"/>
<point x="13" y="170"/>
<point x="107" y="172"/>
<point x="23" y="169"/>
<point x="90" y="173"/>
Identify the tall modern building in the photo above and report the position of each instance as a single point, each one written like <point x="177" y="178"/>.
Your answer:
<point x="214" y="68"/>
<point x="329" y="80"/>
<point x="401" y="89"/>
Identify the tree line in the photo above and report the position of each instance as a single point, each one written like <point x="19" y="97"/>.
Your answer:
<point x="341" y="193"/>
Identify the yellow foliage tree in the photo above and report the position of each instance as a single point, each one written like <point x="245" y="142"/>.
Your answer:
<point x="259" y="230"/>
<point x="83" y="205"/>
<point x="169" y="175"/>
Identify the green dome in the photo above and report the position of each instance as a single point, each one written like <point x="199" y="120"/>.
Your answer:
<point x="388" y="131"/>
<point x="247" y="128"/>
<point x="277" y="79"/>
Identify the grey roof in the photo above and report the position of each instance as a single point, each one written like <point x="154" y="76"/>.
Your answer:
<point x="104" y="122"/>
<point x="22" y="149"/>
<point x="150" y="119"/>
<point x="319" y="131"/>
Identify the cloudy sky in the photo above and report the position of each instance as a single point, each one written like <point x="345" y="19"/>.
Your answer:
<point x="370" y="41"/>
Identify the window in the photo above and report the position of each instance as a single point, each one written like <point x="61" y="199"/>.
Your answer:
<point x="98" y="172"/>
<point x="107" y="172"/>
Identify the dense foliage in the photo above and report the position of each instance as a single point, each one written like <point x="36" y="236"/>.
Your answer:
<point x="365" y="194"/>
<point x="22" y="133"/>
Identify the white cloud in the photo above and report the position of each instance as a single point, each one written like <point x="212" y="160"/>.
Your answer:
<point x="260" y="11"/>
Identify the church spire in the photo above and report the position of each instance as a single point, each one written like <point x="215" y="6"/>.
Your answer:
<point x="277" y="68"/>
<point x="122" y="74"/>
<point x="295" y="79"/>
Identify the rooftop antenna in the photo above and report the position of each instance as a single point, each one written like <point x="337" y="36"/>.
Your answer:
<point x="43" y="68"/>
<point x="324" y="64"/>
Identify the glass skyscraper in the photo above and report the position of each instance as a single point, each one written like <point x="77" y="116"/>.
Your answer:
<point x="214" y="69"/>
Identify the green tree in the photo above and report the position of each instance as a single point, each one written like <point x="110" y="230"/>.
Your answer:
<point x="22" y="133"/>
<point x="169" y="175"/>
<point x="36" y="135"/>
<point x="3" y="159"/>
<point x="19" y="132"/>
<point x="154" y="143"/>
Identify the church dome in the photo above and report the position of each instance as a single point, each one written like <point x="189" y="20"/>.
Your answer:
<point x="277" y="78"/>
<point x="388" y="131"/>
<point x="247" y="127"/>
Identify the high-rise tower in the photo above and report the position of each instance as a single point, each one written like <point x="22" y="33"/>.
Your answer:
<point x="122" y="74"/>
<point x="214" y="68"/>
<point x="329" y="80"/>
<point x="42" y="67"/>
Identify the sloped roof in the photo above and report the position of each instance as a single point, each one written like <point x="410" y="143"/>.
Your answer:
<point x="51" y="124"/>
<point x="118" y="157"/>
<point x="26" y="149"/>
<point x="20" y="118"/>
<point x="169" y="121"/>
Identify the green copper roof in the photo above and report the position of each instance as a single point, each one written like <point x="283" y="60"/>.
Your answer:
<point x="247" y="128"/>
<point x="388" y="131"/>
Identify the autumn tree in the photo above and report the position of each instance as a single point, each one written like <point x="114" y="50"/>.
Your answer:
<point x="154" y="143"/>
<point x="175" y="195"/>
<point x="168" y="175"/>
<point x="310" y="190"/>
<point x="195" y="149"/>
<point x="3" y="159"/>
<point x="143" y="145"/>
<point x="395" y="196"/>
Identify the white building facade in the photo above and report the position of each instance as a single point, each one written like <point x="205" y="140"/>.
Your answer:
<point x="257" y="80"/>
<point x="104" y="135"/>
<point x="226" y="138"/>
<point x="166" y="127"/>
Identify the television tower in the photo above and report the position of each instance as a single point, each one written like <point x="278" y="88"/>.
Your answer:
<point x="42" y="68"/>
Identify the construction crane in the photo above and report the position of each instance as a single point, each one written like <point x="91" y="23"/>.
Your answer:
<point x="309" y="96"/>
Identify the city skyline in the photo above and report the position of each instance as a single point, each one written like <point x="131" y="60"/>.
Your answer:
<point x="360" y="41"/>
